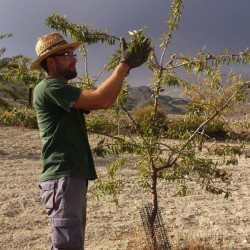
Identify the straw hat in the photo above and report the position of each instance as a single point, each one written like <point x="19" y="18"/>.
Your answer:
<point x="48" y="45"/>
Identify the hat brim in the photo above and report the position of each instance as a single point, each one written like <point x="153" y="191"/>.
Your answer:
<point x="35" y="65"/>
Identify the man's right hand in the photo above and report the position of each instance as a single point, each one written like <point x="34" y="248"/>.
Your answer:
<point x="135" y="57"/>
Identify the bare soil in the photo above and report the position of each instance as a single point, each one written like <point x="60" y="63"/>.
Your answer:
<point x="224" y="224"/>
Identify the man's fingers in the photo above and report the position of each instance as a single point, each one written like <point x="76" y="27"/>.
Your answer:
<point x="123" y="43"/>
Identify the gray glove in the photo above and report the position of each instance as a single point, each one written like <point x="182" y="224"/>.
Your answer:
<point x="135" y="58"/>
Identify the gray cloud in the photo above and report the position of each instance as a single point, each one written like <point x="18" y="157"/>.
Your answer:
<point x="216" y="24"/>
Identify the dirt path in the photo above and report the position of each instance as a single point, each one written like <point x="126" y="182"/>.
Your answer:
<point x="24" y="225"/>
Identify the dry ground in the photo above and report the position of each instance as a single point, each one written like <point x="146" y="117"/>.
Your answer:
<point x="203" y="217"/>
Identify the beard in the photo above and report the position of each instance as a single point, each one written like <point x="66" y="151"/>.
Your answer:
<point x="67" y="73"/>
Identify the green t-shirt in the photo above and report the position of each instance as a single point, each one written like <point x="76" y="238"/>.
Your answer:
<point x="66" y="150"/>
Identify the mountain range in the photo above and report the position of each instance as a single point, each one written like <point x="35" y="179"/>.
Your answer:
<point x="142" y="96"/>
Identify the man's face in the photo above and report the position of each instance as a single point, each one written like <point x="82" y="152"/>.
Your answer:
<point x="65" y="62"/>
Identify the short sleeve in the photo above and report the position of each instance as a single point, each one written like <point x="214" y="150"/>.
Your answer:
<point x="62" y="94"/>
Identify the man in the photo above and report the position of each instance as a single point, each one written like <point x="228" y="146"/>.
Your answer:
<point x="66" y="155"/>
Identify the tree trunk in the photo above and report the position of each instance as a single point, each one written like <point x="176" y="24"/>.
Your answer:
<point x="153" y="215"/>
<point x="30" y="97"/>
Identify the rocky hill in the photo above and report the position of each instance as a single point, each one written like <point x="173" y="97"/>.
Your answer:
<point x="142" y="96"/>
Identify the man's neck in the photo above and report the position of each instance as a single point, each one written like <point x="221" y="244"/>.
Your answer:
<point x="60" y="78"/>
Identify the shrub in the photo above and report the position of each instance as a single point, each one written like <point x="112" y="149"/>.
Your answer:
<point x="25" y="117"/>
<point x="144" y="117"/>
<point x="101" y="124"/>
<point x="182" y="127"/>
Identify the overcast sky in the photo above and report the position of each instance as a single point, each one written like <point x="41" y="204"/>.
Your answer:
<point x="216" y="24"/>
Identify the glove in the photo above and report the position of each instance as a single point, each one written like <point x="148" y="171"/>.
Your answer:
<point x="134" y="58"/>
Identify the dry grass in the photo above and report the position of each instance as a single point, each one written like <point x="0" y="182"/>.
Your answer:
<point x="138" y="241"/>
<point x="199" y="221"/>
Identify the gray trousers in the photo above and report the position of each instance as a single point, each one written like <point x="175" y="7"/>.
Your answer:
<point x="65" y="202"/>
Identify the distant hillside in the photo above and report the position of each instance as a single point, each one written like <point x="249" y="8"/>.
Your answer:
<point x="142" y="96"/>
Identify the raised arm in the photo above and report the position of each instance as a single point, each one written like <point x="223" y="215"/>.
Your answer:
<point x="105" y="95"/>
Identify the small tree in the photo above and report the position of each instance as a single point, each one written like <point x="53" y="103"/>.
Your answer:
<point x="3" y="65"/>
<point x="15" y="76"/>
<point x="209" y="98"/>
<point x="17" y="72"/>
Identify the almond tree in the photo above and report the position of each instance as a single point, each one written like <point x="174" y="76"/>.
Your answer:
<point x="210" y="100"/>
<point x="17" y="73"/>
<point x="3" y="65"/>
<point x="14" y="71"/>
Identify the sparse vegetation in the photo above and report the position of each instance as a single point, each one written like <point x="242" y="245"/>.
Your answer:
<point x="25" y="117"/>
<point x="182" y="164"/>
<point x="101" y="123"/>
<point x="148" y="124"/>
<point x="183" y="126"/>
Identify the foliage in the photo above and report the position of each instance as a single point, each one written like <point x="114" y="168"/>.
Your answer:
<point x="87" y="36"/>
<point x="18" y="71"/>
<point x="2" y="50"/>
<point x="101" y="124"/>
<point x="16" y="79"/>
<point x="148" y="124"/>
<point x="3" y="89"/>
<point x="184" y="126"/>
<point x="210" y="100"/>
<point x="208" y="92"/>
<point x="112" y="186"/>
<point x="25" y="117"/>
<point x="80" y="32"/>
